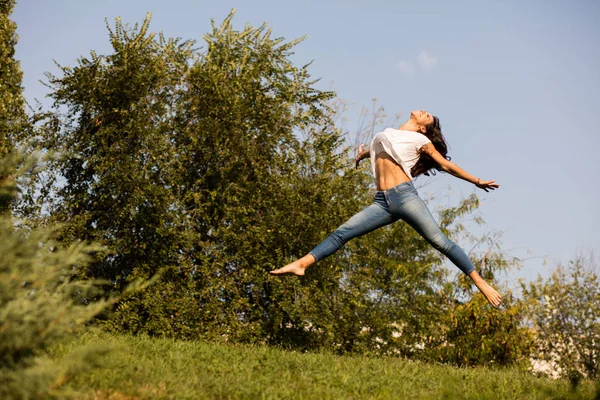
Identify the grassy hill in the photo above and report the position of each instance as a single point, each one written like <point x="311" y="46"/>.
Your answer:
<point x="147" y="368"/>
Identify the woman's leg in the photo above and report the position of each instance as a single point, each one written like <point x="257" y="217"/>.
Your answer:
<point x="373" y="217"/>
<point x="416" y="214"/>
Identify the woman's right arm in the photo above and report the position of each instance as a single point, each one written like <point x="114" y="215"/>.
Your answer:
<point x="457" y="171"/>
<point x="362" y="154"/>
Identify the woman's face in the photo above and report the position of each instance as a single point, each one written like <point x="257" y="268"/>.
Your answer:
<point x="422" y="118"/>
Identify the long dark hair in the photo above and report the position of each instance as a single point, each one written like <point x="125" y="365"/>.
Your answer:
<point x="426" y="165"/>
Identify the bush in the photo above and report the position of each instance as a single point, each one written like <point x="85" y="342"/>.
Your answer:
<point x="565" y="312"/>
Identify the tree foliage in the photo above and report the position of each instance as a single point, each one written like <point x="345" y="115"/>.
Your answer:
<point x="114" y="140"/>
<point x="40" y="305"/>
<point x="12" y="112"/>
<point x="565" y="312"/>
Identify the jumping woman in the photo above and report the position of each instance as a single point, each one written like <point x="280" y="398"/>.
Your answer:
<point x="397" y="156"/>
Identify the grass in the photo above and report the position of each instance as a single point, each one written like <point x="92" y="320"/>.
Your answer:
<point x="148" y="368"/>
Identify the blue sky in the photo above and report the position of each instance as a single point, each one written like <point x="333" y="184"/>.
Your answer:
<point x="514" y="83"/>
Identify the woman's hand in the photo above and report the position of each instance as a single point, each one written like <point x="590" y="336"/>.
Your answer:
<point x="359" y="156"/>
<point x="487" y="185"/>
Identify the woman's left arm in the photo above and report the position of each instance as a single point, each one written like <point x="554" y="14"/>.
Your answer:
<point x="457" y="171"/>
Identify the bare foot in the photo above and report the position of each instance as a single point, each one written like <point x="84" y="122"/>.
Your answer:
<point x="489" y="292"/>
<point x="492" y="296"/>
<point x="297" y="267"/>
<point x="292" y="268"/>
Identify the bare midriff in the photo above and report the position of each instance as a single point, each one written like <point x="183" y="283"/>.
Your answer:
<point x="388" y="173"/>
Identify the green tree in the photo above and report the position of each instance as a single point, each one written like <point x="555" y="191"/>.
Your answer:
<point x="114" y="140"/>
<point x="255" y="194"/>
<point x="40" y="305"/>
<point x="470" y="332"/>
<point x="565" y="313"/>
<point x="12" y="112"/>
<point x="173" y="169"/>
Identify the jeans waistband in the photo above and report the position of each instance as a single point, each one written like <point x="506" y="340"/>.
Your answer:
<point x="399" y="188"/>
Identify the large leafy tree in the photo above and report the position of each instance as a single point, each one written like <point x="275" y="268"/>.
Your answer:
<point x="258" y="166"/>
<point x="114" y="138"/>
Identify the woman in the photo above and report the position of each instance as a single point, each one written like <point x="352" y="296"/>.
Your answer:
<point x="398" y="155"/>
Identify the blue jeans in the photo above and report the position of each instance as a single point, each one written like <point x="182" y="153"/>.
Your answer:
<point x="400" y="202"/>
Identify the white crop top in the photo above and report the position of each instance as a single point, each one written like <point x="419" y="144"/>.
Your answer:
<point x="402" y="146"/>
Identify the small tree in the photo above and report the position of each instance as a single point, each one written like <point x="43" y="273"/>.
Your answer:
<point x="40" y="305"/>
<point x="565" y="313"/>
<point x="471" y="331"/>
<point x="12" y="112"/>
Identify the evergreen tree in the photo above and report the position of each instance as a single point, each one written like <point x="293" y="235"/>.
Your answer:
<point x="12" y="111"/>
<point x="40" y="303"/>
<point x="40" y="306"/>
